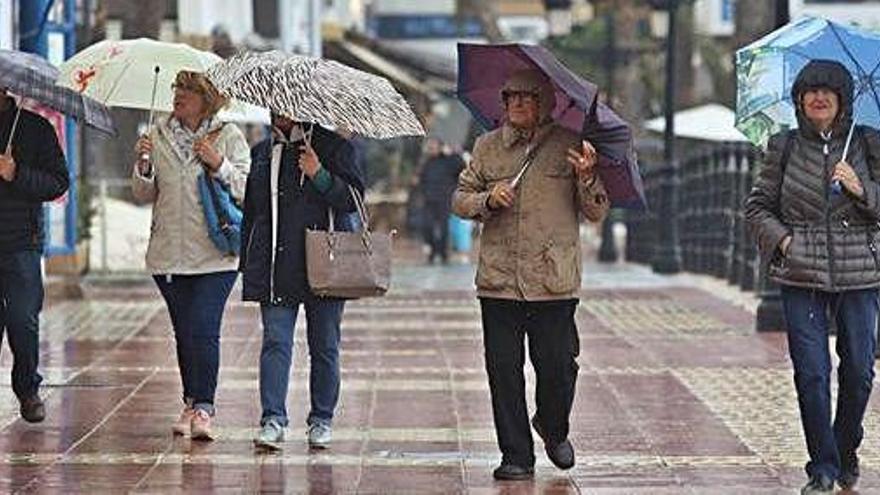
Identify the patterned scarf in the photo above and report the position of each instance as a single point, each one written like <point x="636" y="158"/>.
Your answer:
<point x="184" y="139"/>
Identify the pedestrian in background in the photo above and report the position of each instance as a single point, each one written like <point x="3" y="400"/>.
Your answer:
<point x="529" y="271"/>
<point x="31" y="173"/>
<point x="822" y="248"/>
<point x="193" y="275"/>
<point x="300" y="177"/>
<point x="437" y="181"/>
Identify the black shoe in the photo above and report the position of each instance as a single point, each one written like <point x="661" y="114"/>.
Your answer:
<point x="849" y="471"/>
<point x="818" y="485"/>
<point x="512" y="472"/>
<point x="561" y="454"/>
<point x="32" y="409"/>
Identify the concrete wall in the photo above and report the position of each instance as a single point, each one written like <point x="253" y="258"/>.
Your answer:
<point x="7" y="25"/>
<point x="200" y="16"/>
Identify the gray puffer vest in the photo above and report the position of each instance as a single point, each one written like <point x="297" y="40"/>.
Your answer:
<point x="835" y="237"/>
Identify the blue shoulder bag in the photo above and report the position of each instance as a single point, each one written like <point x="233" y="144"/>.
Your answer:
<point x="222" y="215"/>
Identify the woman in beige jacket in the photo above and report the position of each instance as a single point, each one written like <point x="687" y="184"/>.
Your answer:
<point x="194" y="277"/>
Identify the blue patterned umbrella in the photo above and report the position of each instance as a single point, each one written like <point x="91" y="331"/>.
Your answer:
<point x="31" y="76"/>
<point x="767" y="68"/>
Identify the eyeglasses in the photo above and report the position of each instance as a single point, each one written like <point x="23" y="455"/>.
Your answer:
<point x="524" y="96"/>
<point x="184" y="87"/>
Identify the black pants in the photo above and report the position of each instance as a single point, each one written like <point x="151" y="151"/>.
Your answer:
<point x="437" y="232"/>
<point x="553" y="347"/>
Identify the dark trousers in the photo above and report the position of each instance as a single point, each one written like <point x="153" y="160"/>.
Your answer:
<point x="437" y="232"/>
<point x="553" y="347"/>
<point x="21" y="300"/>
<point x="806" y="313"/>
<point x="196" y="303"/>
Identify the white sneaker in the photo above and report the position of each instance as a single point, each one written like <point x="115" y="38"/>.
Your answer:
<point x="270" y="436"/>
<point x="201" y="426"/>
<point x="320" y="436"/>
<point x="182" y="425"/>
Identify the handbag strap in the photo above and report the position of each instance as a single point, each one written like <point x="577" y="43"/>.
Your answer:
<point x="359" y="206"/>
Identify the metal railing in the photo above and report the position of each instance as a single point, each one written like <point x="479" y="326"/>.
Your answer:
<point x="713" y="182"/>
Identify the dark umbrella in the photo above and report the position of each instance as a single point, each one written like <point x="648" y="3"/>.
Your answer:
<point x="32" y="76"/>
<point x="482" y="71"/>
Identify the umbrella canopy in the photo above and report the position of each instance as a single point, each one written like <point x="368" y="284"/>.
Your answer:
<point x="483" y="70"/>
<point x="767" y="68"/>
<point x="122" y="73"/>
<point x="324" y="92"/>
<point x="32" y="76"/>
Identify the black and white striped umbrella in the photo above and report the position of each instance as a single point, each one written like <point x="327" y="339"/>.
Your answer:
<point x="325" y="92"/>
<point x="31" y="76"/>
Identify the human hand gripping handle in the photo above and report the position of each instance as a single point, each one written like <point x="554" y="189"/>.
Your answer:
<point x="844" y="177"/>
<point x="144" y="149"/>
<point x="583" y="161"/>
<point x="309" y="162"/>
<point x="7" y="167"/>
<point x="501" y="195"/>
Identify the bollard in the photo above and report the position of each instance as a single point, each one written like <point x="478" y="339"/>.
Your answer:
<point x="736" y="200"/>
<point x="770" y="316"/>
<point x="750" y="248"/>
<point x="666" y="257"/>
<point x="104" y="243"/>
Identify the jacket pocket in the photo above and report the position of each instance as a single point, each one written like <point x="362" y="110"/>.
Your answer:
<point x="494" y="271"/>
<point x="561" y="273"/>
<point x="558" y="169"/>
<point x="784" y="265"/>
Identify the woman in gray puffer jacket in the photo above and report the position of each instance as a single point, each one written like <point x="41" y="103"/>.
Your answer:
<point x="815" y="215"/>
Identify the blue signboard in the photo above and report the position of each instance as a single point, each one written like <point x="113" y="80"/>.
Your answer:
<point x="48" y="28"/>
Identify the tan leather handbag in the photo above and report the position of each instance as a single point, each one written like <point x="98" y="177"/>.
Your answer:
<point x="349" y="265"/>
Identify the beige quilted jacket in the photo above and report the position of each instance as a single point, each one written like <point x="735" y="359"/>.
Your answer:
<point x="179" y="242"/>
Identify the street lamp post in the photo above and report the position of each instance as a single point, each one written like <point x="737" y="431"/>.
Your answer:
<point x="607" y="249"/>
<point x="667" y="252"/>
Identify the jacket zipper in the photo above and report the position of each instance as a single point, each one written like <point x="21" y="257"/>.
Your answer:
<point x="826" y="152"/>
<point x="873" y="248"/>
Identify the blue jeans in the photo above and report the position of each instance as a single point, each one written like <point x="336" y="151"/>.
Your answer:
<point x="855" y="313"/>
<point x="196" y="303"/>
<point x="21" y="300"/>
<point x="323" y="317"/>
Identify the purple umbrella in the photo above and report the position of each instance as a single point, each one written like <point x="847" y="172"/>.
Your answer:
<point x="482" y="71"/>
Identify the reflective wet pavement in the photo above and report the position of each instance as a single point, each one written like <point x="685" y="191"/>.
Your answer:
<point x="676" y="395"/>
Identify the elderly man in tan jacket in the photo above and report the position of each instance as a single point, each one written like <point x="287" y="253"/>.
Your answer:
<point x="529" y="272"/>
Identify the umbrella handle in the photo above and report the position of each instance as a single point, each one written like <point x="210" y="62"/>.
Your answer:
<point x="8" y="148"/>
<point x="156" y="69"/>
<point x="849" y="137"/>
<point x="307" y="138"/>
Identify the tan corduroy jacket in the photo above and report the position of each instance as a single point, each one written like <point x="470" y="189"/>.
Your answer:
<point x="530" y="251"/>
<point x="179" y="242"/>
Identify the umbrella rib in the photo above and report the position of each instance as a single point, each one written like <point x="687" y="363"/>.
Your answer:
<point x="797" y="52"/>
<point x="846" y="48"/>
<point x="876" y="98"/>
<point x="117" y="81"/>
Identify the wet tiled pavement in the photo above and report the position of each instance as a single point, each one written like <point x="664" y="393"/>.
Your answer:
<point x="676" y="395"/>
